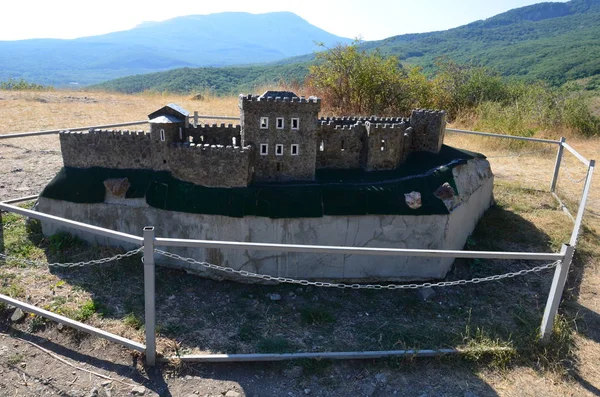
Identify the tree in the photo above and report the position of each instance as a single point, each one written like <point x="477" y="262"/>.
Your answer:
<point x="354" y="81"/>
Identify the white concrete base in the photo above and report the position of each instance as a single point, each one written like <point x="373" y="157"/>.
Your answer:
<point x="474" y="181"/>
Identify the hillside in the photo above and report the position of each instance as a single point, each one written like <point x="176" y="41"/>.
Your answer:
<point x="190" y="41"/>
<point x="556" y="42"/>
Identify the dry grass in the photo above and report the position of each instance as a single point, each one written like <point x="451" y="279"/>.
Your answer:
<point x="203" y="315"/>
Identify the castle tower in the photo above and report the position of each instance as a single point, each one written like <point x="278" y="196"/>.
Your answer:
<point x="282" y="128"/>
<point x="167" y="126"/>
<point x="428" y="130"/>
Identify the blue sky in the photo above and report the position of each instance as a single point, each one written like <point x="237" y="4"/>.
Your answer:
<point x="369" y="19"/>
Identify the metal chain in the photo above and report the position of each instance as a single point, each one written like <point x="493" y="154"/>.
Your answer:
<point x="519" y="154"/>
<point x="267" y="277"/>
<point x="570" y="176"/>
<point x="74" y="264"/>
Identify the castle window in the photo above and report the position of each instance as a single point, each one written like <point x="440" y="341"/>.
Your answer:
<point x="294" y="149"/>
<point x="180" y="134"/>
<point x="295" y="123"/>
<point x="382" y="145"/>
<point x="280" y="123"/>
<point x="264" y="123"/>
<point x="264" y="149"/>
<point x="162" y="135"/>
<point x="234" y="141"/>
<point x="322" y="146"/>
<point x="342" y="145"/>
<point x="278" y="150"/>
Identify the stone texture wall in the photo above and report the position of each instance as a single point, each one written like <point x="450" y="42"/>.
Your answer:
<point x="214" y="134"/>
<point x="429" y="127"/>
<point x="341" y="143"/>
<point x="386" y="148"/>
<point x="285" y="167"/>
<point x="107" y="148"/>
<point x="210" y="165"/>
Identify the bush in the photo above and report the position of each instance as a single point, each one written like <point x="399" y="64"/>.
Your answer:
<point x="22" y="85"/>
<point x="354" y="81"/>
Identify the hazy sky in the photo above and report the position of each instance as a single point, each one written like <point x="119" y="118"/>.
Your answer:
<point x="370" y="19"/>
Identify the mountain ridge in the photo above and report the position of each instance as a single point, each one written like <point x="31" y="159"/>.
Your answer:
<point x="195" y="40"/>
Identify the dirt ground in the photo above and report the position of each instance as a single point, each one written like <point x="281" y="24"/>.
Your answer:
<point x="27" y="164"/>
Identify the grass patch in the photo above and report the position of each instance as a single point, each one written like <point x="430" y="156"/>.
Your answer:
<point x="316" y="316"/>
<point x="133" y="321"/>
<point x="15" y="359"/>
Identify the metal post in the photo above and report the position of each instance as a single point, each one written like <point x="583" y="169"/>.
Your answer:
<point x="556" y="291"/>
<point x="582" y="203"/>
<point x="149" y="299"/>
<point x="557" y="164"/>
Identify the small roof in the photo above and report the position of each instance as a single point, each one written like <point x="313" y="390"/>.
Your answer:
<point x="166" y="119"/>
<point x="280" y="94"/>
<point x="172" y="110"/>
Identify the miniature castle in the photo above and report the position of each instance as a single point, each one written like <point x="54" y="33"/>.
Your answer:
<point x="280" y="138"/>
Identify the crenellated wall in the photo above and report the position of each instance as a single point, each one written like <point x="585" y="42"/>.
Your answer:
<point x="341" y="143"/>
<point x="214" y="134"/>
<point x="210" y="165"/>
<point x="107" y="148"/>
<point x="386" y="145"/>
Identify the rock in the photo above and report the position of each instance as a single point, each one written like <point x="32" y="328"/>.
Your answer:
<point x="117" y="186"/>
<point x="381" y="378"/>
<point x="426" y="293"/>
<point x="138" y="391"/>
<point x="307" y="391"/>
<point x="368" y="389"/>
<point x="294" y="372"/>
<point x="106" y="383"/>
<point x="93" y="392"/>
<point x="275" y="297"/>
<point x="445" y="192"/>
<point x="60" y="326"/>
<point x="232" y="393"/>
<point x="413" y="200"/>
<point x="17" y="315"/>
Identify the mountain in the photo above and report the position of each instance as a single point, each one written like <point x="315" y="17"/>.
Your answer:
<point x="555" y="42"/>
<point x="191" y="41"/>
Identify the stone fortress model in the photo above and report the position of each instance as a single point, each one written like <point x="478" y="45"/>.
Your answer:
<point x="280" y="138"/>
<point x="282" y="176"/>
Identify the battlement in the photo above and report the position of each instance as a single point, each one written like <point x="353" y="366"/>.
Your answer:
<point x="209" y="148"/>
<point x="374" y="127"/>
<point x="284" y="99"/>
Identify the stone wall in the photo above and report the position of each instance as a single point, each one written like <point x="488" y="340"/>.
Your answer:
<point x="214" y="134"/>
<point x="286" y="166"/>
<point x="210" y="165"/>
<point x="429" y="127"/>
<point x="341" y="143"/>
<point x="107" y="148"/>
<point x="386" y="145"/>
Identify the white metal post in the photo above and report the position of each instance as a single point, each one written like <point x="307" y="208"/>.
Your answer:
<point x="582" y="204"/>
<point x="149" y="299"/>
<point x="557" y="164"/>
<point x="556" y="291"/>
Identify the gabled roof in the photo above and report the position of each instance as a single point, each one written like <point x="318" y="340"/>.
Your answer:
<point x="280" y="94"/>
<point x="170" y="110"/>
<point x="166" y="119"/>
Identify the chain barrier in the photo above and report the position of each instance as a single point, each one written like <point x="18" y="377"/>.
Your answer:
<point x="74" y="264"/>
<point x="267" y="277"/>
<point x="570" y="176"/>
